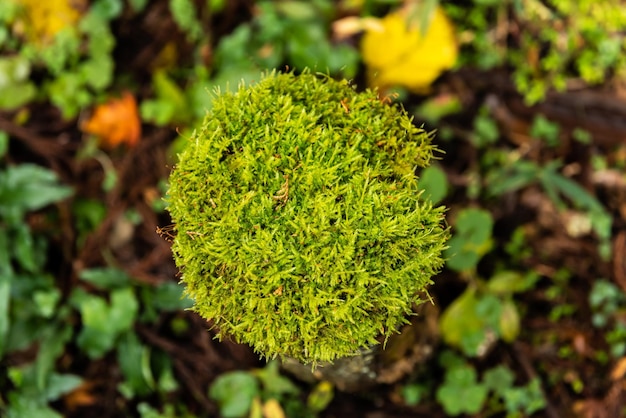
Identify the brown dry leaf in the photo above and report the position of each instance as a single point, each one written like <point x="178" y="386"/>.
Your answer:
<point x="81" y="396"/>
<point x="619" y="370"/>
<point x="352" y="25"/>
<point x="590" y="408"/>
<point x="115" y="122"/>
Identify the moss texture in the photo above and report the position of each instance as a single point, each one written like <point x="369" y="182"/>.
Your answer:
<point x="299" y="224"/>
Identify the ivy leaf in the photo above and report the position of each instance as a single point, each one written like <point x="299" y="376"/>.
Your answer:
<point x="498" y="379"/>
<point x="460" y="392"/>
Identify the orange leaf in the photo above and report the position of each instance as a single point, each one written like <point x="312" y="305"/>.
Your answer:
<point x="115" y="122"/>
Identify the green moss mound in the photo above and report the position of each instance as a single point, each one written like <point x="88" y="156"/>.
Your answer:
<point x="299" y="224"/>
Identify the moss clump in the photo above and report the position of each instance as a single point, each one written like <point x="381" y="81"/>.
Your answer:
<point x="299" y="224"/>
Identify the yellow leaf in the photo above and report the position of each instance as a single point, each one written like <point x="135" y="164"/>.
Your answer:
<point x="509" y="321"/>
<point x="397" y="54"/>
<point x="44" y="19"/>
<point x="272" y="409"/>
<point x="115" y="122"/>
<point x="320" y="396"/>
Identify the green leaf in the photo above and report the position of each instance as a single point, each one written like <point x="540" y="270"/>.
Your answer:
<point x="60" y="384"/>
<point x="107" y="9"/>
<point x="23" y="407"/>
<point x="134" y="360"/>
<point x="320" y="396"/>
<point x="138" y="5"/>
<point x="160" y="112"/>
<point x="544" y="129"/>
<point x="29" y="187"/>
<point x="489" y="309"/>
<point x="460" y="392"/>
<point x="185" y="15"/>
<point x="234" y="392"/>
<point x="434" y="109"/>
<point x="124" y="308"/>
<point x="572" y="190"/>
<point x="24" y="248"/>
<point x="467" y="322"/>
<point x="5" y="293"/>
<point x="460" y="318"/>
<point x="102" y="323"/>
<point x="414" y="393"/>
<point x="506" y="282"/>
<point x="297" y="10"/>
<point x="521" y="174"/>
<point x="471" y="241"/>
<point x="15" y="88"/>
<point x="105" y="278"/>
<point x="499" y="379"/>
<point x="29" y="400"/>
<point x="96" y="337"/>
<point x="274" y="384"/>
<point x="216" y="6"/>
<point x="309" y="48"/>
<point x="449" y="359"/>
<point x="486" y="131"/>
<point x="97" y="72"/>
<point x="16" y="95"/>
<point x="46" y="301"/>
<point x="582" y="136"/>
<point x="69" y="93"/>
<point x="528" y="399"/>
<point x="600" y="218"/>
<point x="169" y="296"/>
<point x="166" y="380"/>
<point x="169" y="92"/>
<point x="434" y="183"/>
<point x="51" y="347"/>
<point x="4" y="143"/>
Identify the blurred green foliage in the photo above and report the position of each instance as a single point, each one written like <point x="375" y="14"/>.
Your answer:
<point x="556" y="42"/>
<point x="471" y="239"/>
<point x="29" y="301"/>
<point x="78" y="63"/>
<point x="32" y="312"/>
<point x="462" y="392"/>
<point x="241" y="393"/>
<point x="608" y="305"/>
<point x="561" y="190"/>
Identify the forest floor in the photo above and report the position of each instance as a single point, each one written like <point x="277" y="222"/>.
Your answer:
<point x="558" y="347"/>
